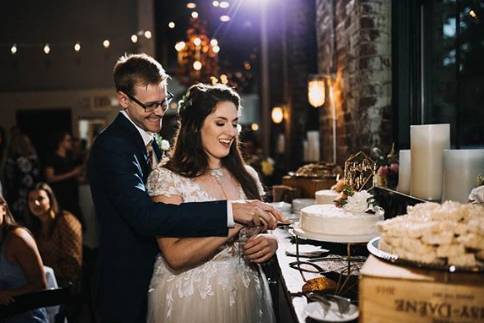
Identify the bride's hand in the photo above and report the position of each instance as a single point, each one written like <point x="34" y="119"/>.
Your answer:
<point x="260" y="248"/>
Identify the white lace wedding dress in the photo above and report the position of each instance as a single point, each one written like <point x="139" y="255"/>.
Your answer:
<point x="223" y="289"/>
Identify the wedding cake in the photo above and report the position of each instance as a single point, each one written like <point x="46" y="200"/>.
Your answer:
<point x="325" y="196"/>
<point x="353" y="217"/>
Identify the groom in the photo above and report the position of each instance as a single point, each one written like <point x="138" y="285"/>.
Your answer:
<point x="119" y="164"/>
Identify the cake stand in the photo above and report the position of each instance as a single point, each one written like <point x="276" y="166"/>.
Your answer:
<point x="350" y="261"/>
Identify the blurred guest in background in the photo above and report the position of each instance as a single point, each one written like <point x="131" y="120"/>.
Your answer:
<point x="22" y="171"/>
<point x="21" y="268"/>
<point x="58" y="234"/>
<point x="62" y="172"/>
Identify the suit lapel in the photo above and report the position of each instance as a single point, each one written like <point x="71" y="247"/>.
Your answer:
<point x="133" y="135"/>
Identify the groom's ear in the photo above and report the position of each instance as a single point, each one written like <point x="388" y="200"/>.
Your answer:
<point x="122" y="99"/>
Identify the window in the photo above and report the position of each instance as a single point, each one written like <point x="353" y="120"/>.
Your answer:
<point x="440" y="73"/>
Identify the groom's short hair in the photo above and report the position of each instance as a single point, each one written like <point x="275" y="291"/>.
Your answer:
<point x="137" y="69"/>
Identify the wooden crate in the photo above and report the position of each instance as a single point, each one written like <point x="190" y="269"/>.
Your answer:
<point x="309" y="186"/>
<point x="389" y="293"/>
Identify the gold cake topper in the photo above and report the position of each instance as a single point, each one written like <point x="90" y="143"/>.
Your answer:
<point x="359" y="171"/>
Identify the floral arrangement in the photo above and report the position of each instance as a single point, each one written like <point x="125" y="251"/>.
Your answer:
<point x="163" y="144"/>
<point x="359" y="202"/>
<point x="355" y="202"/>
<point x="387" y="168"/>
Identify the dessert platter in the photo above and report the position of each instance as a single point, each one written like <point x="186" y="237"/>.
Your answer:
<point x="448" y="236"/>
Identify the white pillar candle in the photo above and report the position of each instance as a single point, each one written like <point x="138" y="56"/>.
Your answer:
<point x="427" y="148"/>
<point x="404" y="169"/>
<point x="281" y="144"/>
<point x="461" y="168"/>
<point x="305" y="151"/>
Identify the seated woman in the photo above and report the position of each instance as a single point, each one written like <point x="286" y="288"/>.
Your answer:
<point x="58" y="234"/>
<point x="21" y="268"/>
<point x="208" y="279"/>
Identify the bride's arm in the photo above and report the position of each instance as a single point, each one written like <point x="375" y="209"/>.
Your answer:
<point x="185" y="253"/>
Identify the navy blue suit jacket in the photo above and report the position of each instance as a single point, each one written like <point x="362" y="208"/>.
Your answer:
<point x="129" y="221"/>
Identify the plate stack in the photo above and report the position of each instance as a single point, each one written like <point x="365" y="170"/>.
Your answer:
<point x="299" y="204"/>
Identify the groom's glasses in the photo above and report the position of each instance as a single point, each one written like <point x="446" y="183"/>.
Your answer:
<point x="152" y="106"/>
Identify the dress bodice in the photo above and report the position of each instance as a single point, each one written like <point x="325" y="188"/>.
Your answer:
<point x="224" y="288"/>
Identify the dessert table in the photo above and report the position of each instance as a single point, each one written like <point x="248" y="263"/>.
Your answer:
<point x="292" y="303"/>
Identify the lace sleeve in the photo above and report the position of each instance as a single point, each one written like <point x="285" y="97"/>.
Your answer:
<point x="254" y="174"/>
<point x="162" y="181"/>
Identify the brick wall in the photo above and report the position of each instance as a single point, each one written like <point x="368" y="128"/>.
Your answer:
<point x="353" y="40"/>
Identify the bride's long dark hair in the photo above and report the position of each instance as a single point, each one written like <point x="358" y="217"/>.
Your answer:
<point x="188" y="157"/>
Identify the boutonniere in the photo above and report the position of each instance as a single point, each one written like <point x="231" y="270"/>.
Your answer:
<point x="163" y="144"/>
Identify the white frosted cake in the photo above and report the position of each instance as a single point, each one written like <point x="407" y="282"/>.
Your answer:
<point x="325" y="196"/>
<point x="352" y="219"/>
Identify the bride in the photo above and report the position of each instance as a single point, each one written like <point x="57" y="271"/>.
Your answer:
<point x="213" y="279"/>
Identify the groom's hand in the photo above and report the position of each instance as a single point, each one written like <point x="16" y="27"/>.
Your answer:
<point x="255" y="213"/>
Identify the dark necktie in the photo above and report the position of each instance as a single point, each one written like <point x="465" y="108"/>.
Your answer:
<point x="151" y="155"/>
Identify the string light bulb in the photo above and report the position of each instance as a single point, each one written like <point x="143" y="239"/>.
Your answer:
<point x="224" y="18"/>
<point x="254" y="126"/>
<point x="191" y="5"/>
<point x="215" y="3"/>
<point x="197" y="65"/>
<point x="194" y="15"/>
<point x="197" y="41"/>
<point x="214" y="42"/>
<point x="224" y="4"/>
<point x="216" y="49"/>
<point x="171" y="24"/>
<point x="106" y="43"/>
<point x="13" y="49"/>
<point x="134" y="39"/>
<point x="77" y="47"/>
<point x="46" y="49"/>
<point x="179" y="46"/>
<point x="147" y="34"/>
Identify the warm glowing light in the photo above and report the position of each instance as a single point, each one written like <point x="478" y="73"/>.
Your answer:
<point x="215" y="3"/>
<point x="179" y="46"/>
<point x="46" y="49"/>
<point x="247" y="66"/>
<point x="134" y="39"/>
<point x="197" y="41"/>
<point x="224" y="18"/>
<point x="216" y="49"/>
<point x="473" y="14"/>
<point x="171" y="25"/>
<point x="173" y="105"/>
<point x="224" y="4"/>
<point x="106" y="43"/>
<point x="148" y="34"/>
<point x="277" y="115"/>
<point x="316" y="91"/>
<point x="194" y="15"/>
<point x="191" y="5"/>
<point x="254" y="126"/>
<point x="77" y="46"/>
<point x="197" y="65"/>
<point x="13" y="49"/>
<point x="224" y="79"/>
<point x="214" y="42"/>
